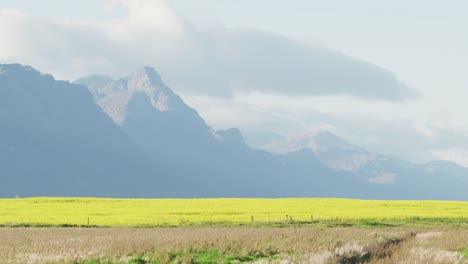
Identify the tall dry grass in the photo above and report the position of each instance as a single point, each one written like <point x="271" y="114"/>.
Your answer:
<point x="432" y="246"/>
<point x="291" y="245"/>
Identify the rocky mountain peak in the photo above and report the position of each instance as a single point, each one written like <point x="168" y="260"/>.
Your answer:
<point x="114" y="96"/>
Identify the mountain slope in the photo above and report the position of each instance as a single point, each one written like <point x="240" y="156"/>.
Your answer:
<point x="154" y="116"/>
<point x="55" y="140"/>
<point x="208" y="162"/>
<point x="381" y="176"/>
<point x="339" y="155"/>
<point x="142" y="140"/>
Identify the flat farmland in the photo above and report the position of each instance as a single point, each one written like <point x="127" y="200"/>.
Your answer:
<point x="228" y="212"/>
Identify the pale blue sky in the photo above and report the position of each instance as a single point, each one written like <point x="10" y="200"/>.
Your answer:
<point x="425" y="43"/>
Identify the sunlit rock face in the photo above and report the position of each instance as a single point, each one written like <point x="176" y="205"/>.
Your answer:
<point x="115" y="96"/>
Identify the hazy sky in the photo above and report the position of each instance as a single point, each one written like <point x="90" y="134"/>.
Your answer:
<point x="391" y="72"/>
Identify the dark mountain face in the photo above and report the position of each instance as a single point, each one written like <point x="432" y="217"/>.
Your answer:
<point x="55" y="140"/>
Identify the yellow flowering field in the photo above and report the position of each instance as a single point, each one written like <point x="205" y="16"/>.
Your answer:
<point x="175" y="212"/>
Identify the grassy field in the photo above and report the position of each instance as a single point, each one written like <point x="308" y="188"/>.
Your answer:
<point x="233" y="245"/>
<point x="228" y="212"/>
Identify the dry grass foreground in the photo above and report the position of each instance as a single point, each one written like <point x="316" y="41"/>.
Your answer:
<point x="232" y="245"/>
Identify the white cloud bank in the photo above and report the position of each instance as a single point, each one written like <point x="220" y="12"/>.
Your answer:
<point x="459" y="156"/>
<point x="216" y="63"/>
<point x="223" y="71"/>
<point x="263" y="118"/>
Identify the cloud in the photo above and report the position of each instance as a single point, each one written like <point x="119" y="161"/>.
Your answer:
<point x="258" y="127"/>
<point x="154" y="14"/>
<point x="416" y="141"/>
<point x="456" y="155"/>
<point x="213" y="63"/>
<point x="263" y="119"/>
<point x="265" y="62"/>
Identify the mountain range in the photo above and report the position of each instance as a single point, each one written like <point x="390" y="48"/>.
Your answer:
<point x="135" y="137"/>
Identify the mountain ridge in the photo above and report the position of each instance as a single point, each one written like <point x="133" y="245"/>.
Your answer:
<point x="59" y="141"/>
<point x="135" y="137"/>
